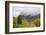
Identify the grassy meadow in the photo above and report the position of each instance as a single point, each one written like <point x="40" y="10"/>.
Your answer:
<point x="26" y="22"/>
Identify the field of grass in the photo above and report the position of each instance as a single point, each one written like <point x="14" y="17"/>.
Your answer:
<point x="25" y="22"/>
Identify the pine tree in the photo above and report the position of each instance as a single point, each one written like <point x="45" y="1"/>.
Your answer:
<point x="19" y="20"/>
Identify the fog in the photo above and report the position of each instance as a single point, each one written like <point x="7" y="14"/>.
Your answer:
<point x="25" y="11"/>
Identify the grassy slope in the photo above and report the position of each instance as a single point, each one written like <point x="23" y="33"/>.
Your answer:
<point x="26" y="22"/>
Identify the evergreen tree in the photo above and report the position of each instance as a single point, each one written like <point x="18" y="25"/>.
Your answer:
<point x="19" y="20"/>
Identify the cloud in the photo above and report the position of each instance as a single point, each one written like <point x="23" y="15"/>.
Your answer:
<point x="25" y="11"/>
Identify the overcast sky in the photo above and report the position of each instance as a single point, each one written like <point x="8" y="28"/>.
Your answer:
<point x="25" y="10"/>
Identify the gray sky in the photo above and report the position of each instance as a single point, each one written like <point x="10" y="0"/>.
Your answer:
<point x="25" y="10"/>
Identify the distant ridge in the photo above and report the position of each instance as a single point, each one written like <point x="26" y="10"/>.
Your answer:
<point x="29" y="16"/>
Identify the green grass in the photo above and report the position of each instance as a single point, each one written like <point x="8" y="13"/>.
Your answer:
<point x="26" y="22"/>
